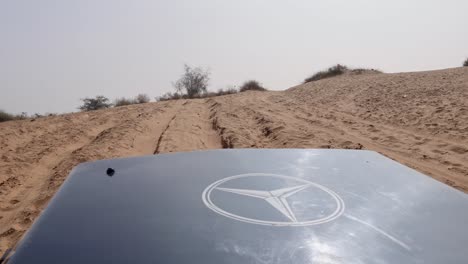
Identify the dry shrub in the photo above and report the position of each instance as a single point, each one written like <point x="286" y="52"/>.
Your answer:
<point x="338" y="70"/>
<point x="251" y="85"/>
<point x="328" y="73"/>
<point x="142" y="99"/>
<point x="123" y="101"/>
<point x="4" y="116"/>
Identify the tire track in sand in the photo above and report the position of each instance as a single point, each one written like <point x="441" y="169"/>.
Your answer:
<point x="129" y="135"/>
<point x="190" y="129"/>
<point x="160" y="138"/>
<point x="274" y="120"/>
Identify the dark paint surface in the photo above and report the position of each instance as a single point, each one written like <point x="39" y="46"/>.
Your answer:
<point x="161" y="209"/>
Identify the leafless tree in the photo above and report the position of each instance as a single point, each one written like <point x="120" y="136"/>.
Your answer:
<point x="193" y="82"/>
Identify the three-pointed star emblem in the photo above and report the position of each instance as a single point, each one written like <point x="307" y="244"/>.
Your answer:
<point x="276" y="198"/>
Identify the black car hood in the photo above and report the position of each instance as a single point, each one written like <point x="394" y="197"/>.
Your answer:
<point x="250" y="206"/>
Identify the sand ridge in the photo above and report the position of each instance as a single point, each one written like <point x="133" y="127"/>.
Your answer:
<point x="419" y="119"/>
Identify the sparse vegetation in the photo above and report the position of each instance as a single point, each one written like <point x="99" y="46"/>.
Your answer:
<point x="142" y="99"/>
<point x="5" y="116"/>
<point x="123" y="101"/>
<point x="363" y="70"/>
<point x="465" y="64"/>
<point x="338" y="70"/>
<point x="251" y="85"/>
<point x="220" y="92"/>
<point x="37" y="115"/>
<point x="229" y="90"/>
<point x="169" y="96"/>
<point x="330" y="72"/>
<point x="176" y="96"/>
<point x="193" y="82"/>
<point x="99" y="102"/>
<point x="139" y="99"/>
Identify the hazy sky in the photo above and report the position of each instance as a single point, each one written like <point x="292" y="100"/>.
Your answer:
<point x="52" y="53"/>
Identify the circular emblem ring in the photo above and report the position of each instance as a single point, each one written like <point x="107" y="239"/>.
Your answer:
<point x="340" y="206"/>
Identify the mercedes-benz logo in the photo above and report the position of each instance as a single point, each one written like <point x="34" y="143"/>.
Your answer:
<point x="297" y="202"/>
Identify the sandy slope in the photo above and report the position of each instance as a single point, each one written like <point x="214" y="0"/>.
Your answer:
<point x="419" y="119"/>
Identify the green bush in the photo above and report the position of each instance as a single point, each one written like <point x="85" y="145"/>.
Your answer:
<point x="251" y="85"/>
<point x="99" y="102"/>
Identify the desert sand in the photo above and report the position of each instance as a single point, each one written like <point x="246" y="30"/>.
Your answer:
<point x="419" y="119"/>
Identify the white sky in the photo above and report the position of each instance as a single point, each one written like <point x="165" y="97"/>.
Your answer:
<point x="52" y="53"/>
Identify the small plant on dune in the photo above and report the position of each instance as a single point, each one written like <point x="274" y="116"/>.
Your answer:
<point x="99" y="102"/>
<point x="139" y="99"/>
<point x="176" y="96"/>
<point x="363" y="70"/>
<point x="338" y="70"/>
<point x="330" y="72"/>
<point x="123" y="101"/>
<point x="251" y="85"/>
<point x="465" y="64"/>
<point x="220" y="92"/>
<point x="229" y="90"/>
<point x="169" y="96"/>
<point x="142" y="99"/>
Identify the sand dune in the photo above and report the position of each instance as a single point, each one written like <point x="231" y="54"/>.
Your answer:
<point x="419" y="119"/>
